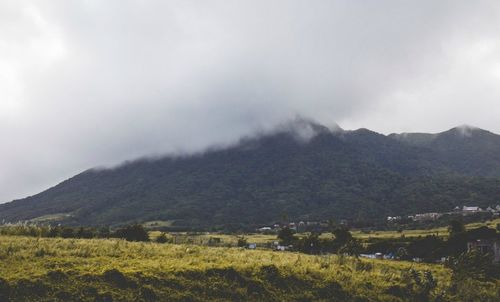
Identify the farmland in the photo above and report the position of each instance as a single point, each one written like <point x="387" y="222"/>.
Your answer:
<point x="203" y="238"/>
<point x="57" y="269"/>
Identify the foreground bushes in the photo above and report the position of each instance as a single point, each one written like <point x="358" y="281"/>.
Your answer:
<point x="117" y="270"/>
<point x="134" y="232"/>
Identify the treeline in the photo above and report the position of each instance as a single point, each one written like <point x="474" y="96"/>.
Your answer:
<point x="135" y="232"/>
<point x="341" y="242"/>
<point x="432" y="248"/>
<point x="426" y="249"/>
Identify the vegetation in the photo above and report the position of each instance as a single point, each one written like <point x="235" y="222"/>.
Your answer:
<point x="58" y="269"/>
<point x="426" y="245"/>
<point x="133" y="232"/>
<point x="359" y="175"/>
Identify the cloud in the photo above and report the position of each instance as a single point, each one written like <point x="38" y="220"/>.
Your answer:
<point x="88" y="83"/>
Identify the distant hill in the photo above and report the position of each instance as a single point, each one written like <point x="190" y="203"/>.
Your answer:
<point x="302" y="171"/>
<point x="464" y="149"/>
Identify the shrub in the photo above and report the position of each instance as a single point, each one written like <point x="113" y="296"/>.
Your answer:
<point x="420" y="285"/>
<point x="162" y="238"/>
<point x="285" y="236"/>
<point x="351" y="248"/>
<point x="135" y="232"/>
<point x="242" y="242"/>
<point x="472" y="264"/>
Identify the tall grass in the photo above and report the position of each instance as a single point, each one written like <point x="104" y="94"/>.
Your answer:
<point x="57" y="269"/>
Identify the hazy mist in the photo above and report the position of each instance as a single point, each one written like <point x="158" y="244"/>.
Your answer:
<point x="91" y="83"/>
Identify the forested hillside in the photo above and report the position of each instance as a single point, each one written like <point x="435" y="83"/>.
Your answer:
<point x="330" y="174"/>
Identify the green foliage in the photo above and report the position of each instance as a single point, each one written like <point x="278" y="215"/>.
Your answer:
<point x="360" y="175"/>
<point x="342" y="236"/>
<point x="420" y="286"/>
<point x="135" y="232"/>
<point x="474" y="265"/>
<point x="456" y="227"/>
<point x="351" y="248"/>
<point x="428" y="248"/>
<point x="162" y="238"/>
<point x="285" y="236"/>
<point x="242" y="242"/>
<point x="310" y="244"/>
<point x="57" y="231"/>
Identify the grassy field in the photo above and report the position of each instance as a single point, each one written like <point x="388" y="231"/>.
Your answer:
<point x="441" y="232"/>
<point x="264" y="239"/>
<point x="55" y="269"/>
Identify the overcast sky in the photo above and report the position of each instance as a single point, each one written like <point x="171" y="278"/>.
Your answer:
<point x="89" y="83"/>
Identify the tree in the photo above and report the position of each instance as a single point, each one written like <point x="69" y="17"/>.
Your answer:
<point x="402" y="254"/>
<point x="351" y="248"/>
<point x="456" y="227"/>
<point x="84" y="233"/>
<point x="162" y="238"/>
<point x="421" y="285"/>
<point x="332" y="224"/>
<point x="103" y="232"/>
<point x="54" y="232"/>
<point x="285" y="235"/>
<point x="310" y="244"/>
<point x="135" y="232"/>
<point x="67" y="232"/>
<point x="429" y="248"/>
<point x="242" y="242"/>
<point x="472" y="264"/>
<point x="342" y="236"/>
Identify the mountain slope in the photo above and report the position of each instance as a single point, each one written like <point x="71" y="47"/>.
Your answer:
<point x="464" y="149"/>
<point x="304" y="172"/>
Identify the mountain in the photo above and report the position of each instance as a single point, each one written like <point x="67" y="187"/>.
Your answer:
<point x="304" y="171"/>
<point x="465" y="149"/>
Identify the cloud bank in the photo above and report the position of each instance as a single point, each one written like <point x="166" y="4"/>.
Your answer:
<point x="87" y="83"/>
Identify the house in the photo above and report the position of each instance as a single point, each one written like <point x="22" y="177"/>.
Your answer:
<point x="485" y="246"/>
<point x="283" y="247"/>
<point x="252" y="246"/>
<point x="471" y="210"/>
<point x="426" y="216"/>
<point x="393" y="218"/>
<point x="301" y="227"/>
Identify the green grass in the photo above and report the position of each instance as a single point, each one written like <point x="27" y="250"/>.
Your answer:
<point x="491" y="224"/>
<point x="50" y="218"/>
<point x="441" y="232"/>
<point x="263" y="239"/>
<point x="225" y="239"/>
<point x="55" y="269"/>
<point x="157" y="223"/>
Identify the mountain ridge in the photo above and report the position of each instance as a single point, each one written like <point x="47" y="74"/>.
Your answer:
<point x="304" y="170"/>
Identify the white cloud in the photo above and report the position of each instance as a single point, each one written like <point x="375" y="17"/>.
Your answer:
<point x="86" y="83"/>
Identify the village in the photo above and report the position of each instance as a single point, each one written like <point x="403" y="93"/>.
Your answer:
<point x="464" y="211"/>
<point x="321" y="226"/>
<point x="482" y="239"/>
